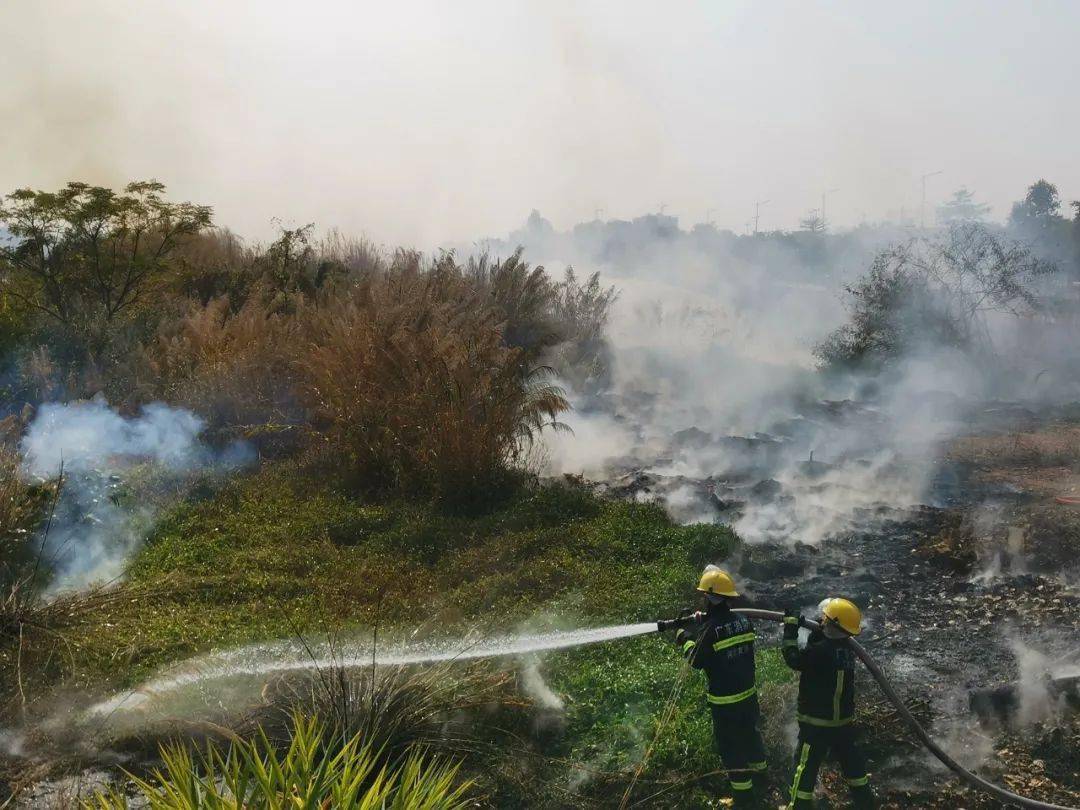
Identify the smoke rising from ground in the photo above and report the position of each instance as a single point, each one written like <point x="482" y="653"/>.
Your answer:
<point x="534" y="685"/>
<point x="84" y="436"/>
<point x="98" y="523"/>
<point x="713" y="404"/>
<point x="712" y="377"/>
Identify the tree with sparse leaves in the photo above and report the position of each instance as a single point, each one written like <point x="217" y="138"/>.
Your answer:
<point x="934" y="293"/>
<point x="962" y="208"/>
<point x="84" y="257"/>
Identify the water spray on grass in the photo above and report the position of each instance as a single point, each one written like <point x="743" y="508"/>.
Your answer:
<point x="272" y="659"/>
<point x="285" y="657"/>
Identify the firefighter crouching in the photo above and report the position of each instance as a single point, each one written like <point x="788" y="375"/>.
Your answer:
<point x="826" y="709"/>
<point x="723" y="646"/>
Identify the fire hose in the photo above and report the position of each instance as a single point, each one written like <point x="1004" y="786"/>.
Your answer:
<point x="890" y="692"/>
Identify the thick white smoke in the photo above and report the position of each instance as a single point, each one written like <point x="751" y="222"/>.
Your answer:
<point x="88" y="436"/>
<point x="93" y="531"/>
<point x="713" y="379"/>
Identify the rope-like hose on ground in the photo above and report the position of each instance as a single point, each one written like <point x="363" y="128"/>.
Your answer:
<point x="887" y="689"/>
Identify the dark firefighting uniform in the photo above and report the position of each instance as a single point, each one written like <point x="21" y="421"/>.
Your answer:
<point x="723" y="646"/>
<point x="826" y="714"/>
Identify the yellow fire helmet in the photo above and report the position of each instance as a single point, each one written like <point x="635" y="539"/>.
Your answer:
<point x="716" y="582"/>
<point x="845" y="613"/>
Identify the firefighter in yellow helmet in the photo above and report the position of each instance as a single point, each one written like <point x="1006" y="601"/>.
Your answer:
<point x="826" y="709"/>
<point x="722" y="645"/>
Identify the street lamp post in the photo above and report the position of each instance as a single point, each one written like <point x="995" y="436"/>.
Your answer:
<point x="922" y="209"/>
<point x="824" y="195"/>
<point x="757" y="212"/>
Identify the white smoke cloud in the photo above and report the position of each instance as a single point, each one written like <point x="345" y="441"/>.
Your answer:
<point x="534" y="685"/>
<point x="707" y="344"/>
<point x="713" y="379"/>
<point x="93" y="532"/>
<point x="92" y="436"/>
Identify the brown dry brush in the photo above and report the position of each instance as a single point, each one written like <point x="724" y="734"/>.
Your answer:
<point x="404" y="373"/>
<point x="34" y="630"/>
<point x="26" y="620"/>
<point x="230" y="366"/>
<point x="410" y="380"/>
<point x="407" y="372"/>
<point x="21" y="506"/>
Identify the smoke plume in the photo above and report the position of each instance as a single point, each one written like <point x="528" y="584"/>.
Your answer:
<point x="97" y="523"/>
<point x="712" y="379"/>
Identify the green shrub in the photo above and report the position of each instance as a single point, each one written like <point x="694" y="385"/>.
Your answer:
<point x="88" y="259"/>
<point x="395" y="710"/>
<point x="310" y="774"/>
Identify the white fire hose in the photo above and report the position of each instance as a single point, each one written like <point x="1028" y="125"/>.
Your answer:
<point x="887" y="689"/>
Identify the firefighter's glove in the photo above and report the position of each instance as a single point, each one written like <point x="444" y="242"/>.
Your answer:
<point x="792" y="622"/>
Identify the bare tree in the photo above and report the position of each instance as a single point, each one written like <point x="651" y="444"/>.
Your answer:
<point x="935" y="292"/>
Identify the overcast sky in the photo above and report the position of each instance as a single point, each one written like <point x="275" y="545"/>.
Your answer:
<point x="422" y="122"/>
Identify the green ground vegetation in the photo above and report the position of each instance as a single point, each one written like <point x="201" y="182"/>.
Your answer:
<point x="271" y="555"/>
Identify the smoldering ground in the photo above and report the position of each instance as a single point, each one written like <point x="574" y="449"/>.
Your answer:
<point x="713" y="375"/>
<point x="111" y="468"/>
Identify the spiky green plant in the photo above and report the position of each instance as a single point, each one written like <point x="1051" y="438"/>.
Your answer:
<point x="309" y="775"/>
<point x="394" y="709"/>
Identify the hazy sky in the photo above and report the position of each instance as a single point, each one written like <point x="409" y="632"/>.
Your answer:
<point x="421" y="122"/>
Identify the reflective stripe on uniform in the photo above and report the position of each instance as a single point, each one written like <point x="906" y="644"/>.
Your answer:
<point x="791" y="620"/>
<point x="860" y="781"/>
<point x="688" y="646"/>
<point x="790" y="642"/>
<point x="804" y="755"/>
<point x="817" y="721"/>
<point x="757" y="766"/>
<point x="723" y="700"/>
<point x="747" y="785"/>
<point x="837" y="695"/>
<point x="724" y="643"/>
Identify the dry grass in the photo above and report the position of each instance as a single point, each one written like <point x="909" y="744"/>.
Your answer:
<point x="582" y="308"/>
<point x="404" y="373"/>
<point x="232" y="367"/>
<point x="410" y="381"/>
<point x="1055" y="446"/>
<point x="19" y="504"/>
<point x="521" y="298"/>
<point x="33" y="630"/>
<point x="1044" y="463"/>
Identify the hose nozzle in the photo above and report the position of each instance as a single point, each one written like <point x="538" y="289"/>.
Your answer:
<point x="684" y="620"/>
